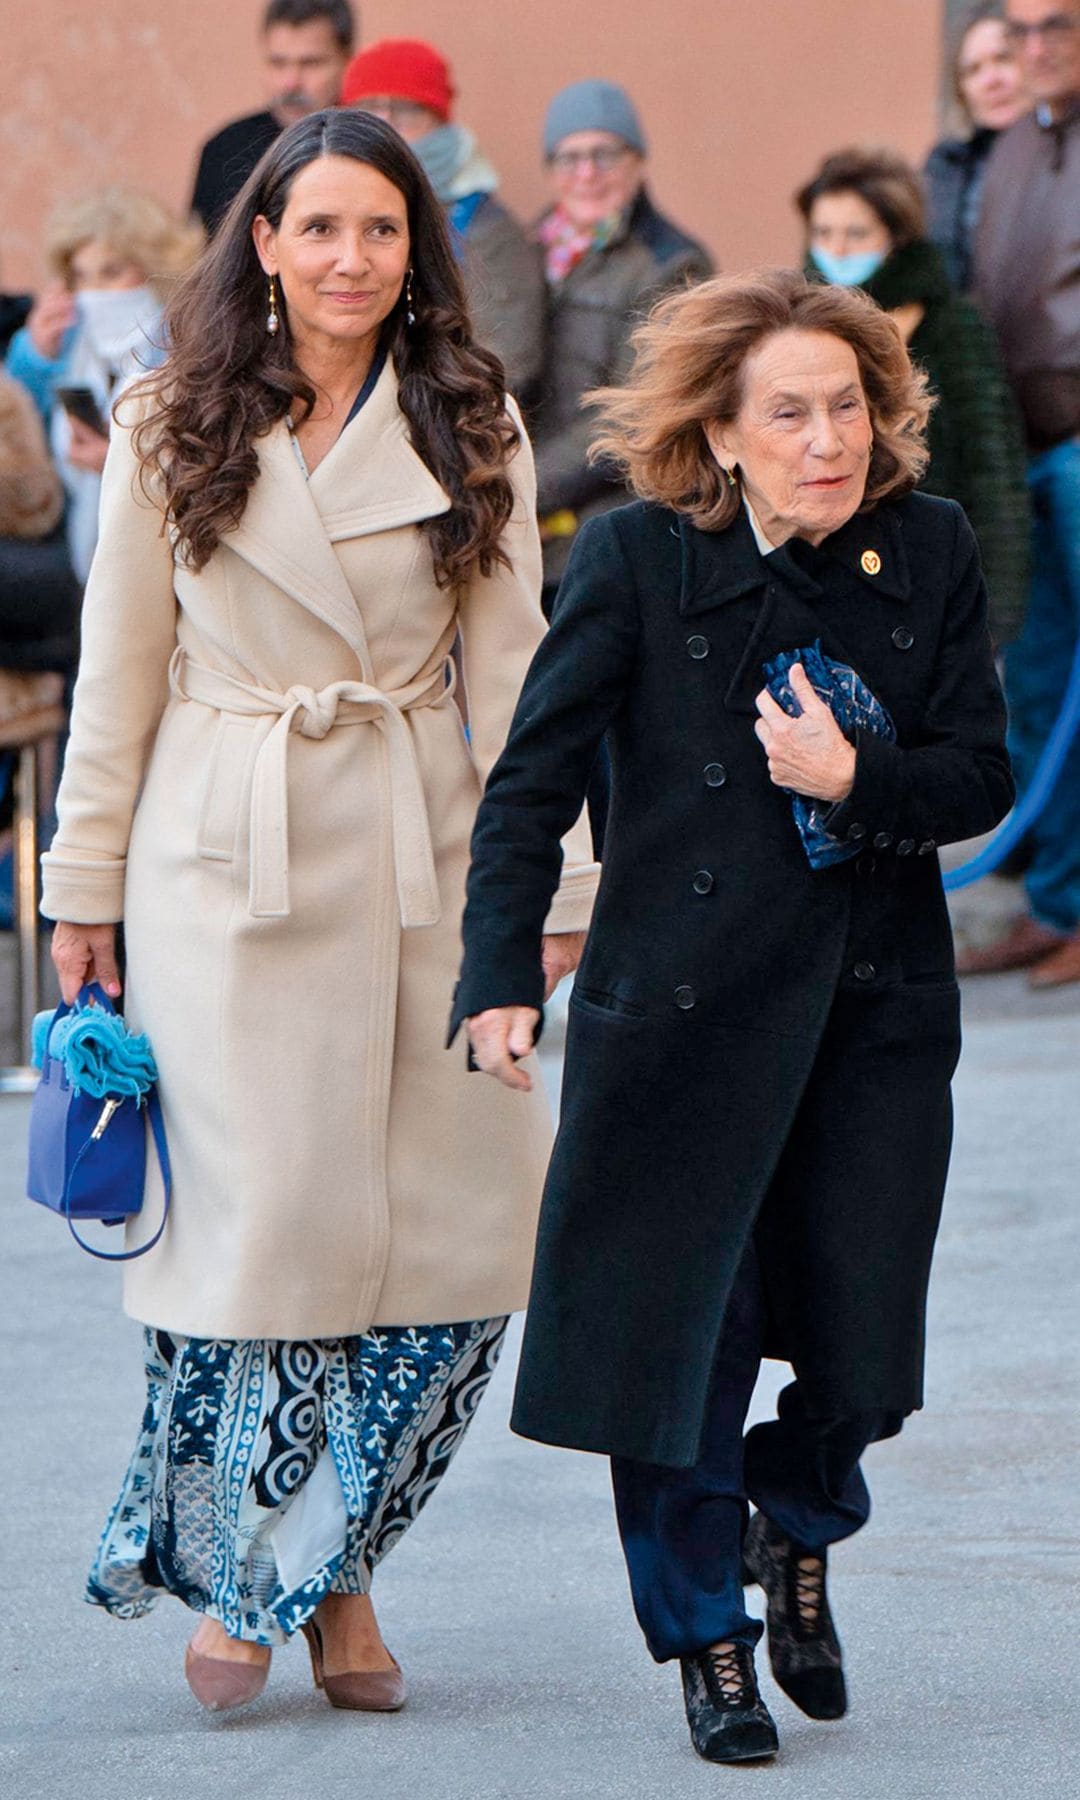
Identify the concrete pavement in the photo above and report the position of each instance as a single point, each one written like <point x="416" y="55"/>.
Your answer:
<point x="507" y="1603"/>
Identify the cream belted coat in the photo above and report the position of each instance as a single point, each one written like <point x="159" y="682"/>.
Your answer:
<point x="269" y="781"/>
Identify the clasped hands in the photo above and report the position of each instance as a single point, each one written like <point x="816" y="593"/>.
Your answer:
<point x="504" y="1032"/>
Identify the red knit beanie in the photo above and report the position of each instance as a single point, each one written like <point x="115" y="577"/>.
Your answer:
<point x="401" y="69"/>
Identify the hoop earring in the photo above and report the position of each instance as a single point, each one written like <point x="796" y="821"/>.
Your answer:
<point x="410" y="316"/>
<point x="272" y="321"/>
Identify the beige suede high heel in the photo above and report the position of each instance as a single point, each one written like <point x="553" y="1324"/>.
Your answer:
<point x="221" y="1685"/>
<point x="358" y="1690"/>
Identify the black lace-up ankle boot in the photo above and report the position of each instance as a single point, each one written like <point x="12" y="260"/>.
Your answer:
<point x="804" y="1649"/>
<point x="728" y="1719"/>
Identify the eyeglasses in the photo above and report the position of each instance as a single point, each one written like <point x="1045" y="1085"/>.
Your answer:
<point x="603" y="160"/>
<point x="1055" y="28"/>
<point x="395" y="112"/>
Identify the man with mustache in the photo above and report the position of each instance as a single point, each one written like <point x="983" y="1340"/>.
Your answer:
<point x="306" y="45"/>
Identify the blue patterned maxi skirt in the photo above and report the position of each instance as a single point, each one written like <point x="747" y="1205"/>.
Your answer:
<point x="269" y="1473"/>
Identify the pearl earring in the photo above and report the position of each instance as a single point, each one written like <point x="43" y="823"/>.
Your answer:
<point x="410" y="316"/>
<point x="272" y="320"/>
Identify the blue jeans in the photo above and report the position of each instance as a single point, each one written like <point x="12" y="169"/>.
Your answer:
<point x="682" y="1530"/>
<point x="1036" y="674"/>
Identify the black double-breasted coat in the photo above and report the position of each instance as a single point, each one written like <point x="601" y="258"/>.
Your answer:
<point x="753" y="1046"/>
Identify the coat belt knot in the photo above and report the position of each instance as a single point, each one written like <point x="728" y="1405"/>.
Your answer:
<point x="314" y="713"/>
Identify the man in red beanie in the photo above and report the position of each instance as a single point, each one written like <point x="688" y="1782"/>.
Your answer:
<point x="408" y="83"/>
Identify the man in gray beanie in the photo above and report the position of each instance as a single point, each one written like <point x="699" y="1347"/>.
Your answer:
<point x="608" y="256"/>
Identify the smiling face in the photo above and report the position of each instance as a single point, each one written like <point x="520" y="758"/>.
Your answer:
<point x="340" y="253"/>
<point x="989" y="78"/>
<point x="802" y="436"/>
<point x="595" y="175"/>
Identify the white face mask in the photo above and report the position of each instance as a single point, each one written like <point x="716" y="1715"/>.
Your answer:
<point x="116" y="320"/>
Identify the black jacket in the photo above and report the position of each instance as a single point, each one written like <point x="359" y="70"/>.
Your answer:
<point x="226" y="161"/>
<point x="953" y="178"/>
<point x="717" y="956"/>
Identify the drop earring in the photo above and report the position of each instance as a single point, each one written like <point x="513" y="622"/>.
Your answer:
<point x="730" y="473"/>
<point x="272" y="321"/>
<point x="410" y="316"/>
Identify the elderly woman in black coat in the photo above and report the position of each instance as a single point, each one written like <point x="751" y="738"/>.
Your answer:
<point x="787" y="650"/>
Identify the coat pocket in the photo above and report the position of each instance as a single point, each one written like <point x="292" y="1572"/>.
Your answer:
<point x="226" y="781"/>
<point x="596" y="1000"/>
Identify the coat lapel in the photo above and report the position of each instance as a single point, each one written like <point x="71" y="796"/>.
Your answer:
<point x="372" y="480"/>
<point x="786" y="604"/>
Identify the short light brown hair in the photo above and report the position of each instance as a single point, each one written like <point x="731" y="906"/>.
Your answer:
<point x="688" y="373"/>
<point x="888" y="185"/>
<point x="134" y="225"/>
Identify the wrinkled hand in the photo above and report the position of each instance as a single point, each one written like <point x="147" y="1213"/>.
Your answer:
<point x="49" y="318"/>
<point x="86" y="448"/>
<point x="560" y="956"/>
<point x="83" y="953"/>
<point x="809" y="755"/>
<point x="500" y="1034"/>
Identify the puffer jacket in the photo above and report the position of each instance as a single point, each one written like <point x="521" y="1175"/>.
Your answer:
<point x="591" y="314"/>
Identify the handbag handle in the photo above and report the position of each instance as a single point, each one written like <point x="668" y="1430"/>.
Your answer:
<point x="157" y="1127"/>
<point x="93" y="993"/>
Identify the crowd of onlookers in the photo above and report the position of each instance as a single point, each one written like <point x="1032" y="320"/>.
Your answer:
<point x="976" y="257"/>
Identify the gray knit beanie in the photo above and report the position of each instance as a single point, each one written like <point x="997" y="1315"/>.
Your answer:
<point x="592" y="106"/>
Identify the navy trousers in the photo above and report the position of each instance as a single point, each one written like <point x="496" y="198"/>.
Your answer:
<point x="682" y="1530"/>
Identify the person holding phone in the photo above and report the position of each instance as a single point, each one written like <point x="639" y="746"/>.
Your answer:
<point x="112" y="257"/>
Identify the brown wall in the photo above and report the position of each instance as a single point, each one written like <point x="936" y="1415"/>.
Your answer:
<point x="739" y="96"/>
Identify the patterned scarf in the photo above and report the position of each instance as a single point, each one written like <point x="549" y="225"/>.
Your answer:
<point x="564" y="243"/>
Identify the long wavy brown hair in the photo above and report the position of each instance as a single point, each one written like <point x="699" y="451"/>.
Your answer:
<point x="687" y="374"/>
<point x="228" y="381"/>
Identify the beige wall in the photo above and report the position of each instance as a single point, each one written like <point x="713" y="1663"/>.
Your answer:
<point x="739" y="96"/>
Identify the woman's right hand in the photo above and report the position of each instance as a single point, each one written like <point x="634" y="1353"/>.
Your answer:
<point x="50" y="317"/>
<point x="83" y="953"/>
<point x="500" y="1034"/>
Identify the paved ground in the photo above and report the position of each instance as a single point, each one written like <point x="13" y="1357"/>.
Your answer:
<point x="507" y="1603"/>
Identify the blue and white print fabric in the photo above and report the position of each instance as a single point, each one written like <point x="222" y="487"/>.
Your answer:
<point x="854" y="708"/>
<point x="268" y="1473"/>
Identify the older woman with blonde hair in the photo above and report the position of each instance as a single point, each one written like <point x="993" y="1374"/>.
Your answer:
<point x="786" y="647"/>
<point x="113" y="258"/>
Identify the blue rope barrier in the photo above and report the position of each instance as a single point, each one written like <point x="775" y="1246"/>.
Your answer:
<point x="1023" y="816"/>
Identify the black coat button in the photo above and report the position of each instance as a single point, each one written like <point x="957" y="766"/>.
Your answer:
<point x="928" y="848"/>
<point x="883" y="840"/>
<point x="715" y="774"/>
<point x="865" y="863"/>
<point x="698" y="647"/>
<point x="856" y="831"/>
<point x="864" y="971"/>
<point x="703" y="882"/>
<point x="903" y="638"/>
<point x="905" y="846"/>
<point x="684" y="998"/>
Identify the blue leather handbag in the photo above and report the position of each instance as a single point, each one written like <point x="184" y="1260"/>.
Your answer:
<point x="87" y="1152"/>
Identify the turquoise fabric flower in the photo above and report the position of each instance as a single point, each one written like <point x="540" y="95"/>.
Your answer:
<point x="97" y="1052"/>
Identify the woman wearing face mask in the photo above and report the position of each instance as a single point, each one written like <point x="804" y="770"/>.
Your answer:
<point x="988" y="85"/>
<point x="112" y="256"/>
<point x="865" y="227"/>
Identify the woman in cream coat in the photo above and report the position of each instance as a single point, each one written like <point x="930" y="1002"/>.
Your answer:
<point x="269" y="783"/>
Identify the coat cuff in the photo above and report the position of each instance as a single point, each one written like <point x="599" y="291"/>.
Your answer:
<point x="873" y="805"/>
<point x="83" y="892"/>
<point x="572" y="905"/>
